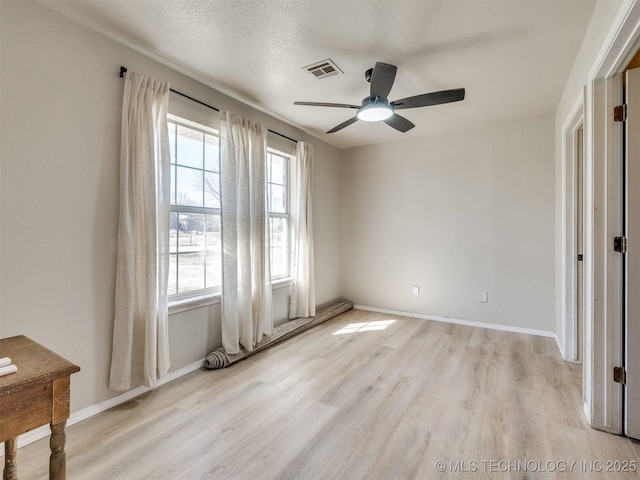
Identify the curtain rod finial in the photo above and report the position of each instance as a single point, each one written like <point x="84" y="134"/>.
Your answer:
<point x="123" y="70"/>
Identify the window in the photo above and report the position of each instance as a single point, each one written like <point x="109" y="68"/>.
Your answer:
<point x="195" y="253"/>
<point x="278" y="206"/>
<point x="194" y="230"/>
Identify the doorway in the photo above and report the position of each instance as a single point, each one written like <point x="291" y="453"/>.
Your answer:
<point x="574" y="203"/>
<point x="578" y="340"/>
<point x="605" y="278"/>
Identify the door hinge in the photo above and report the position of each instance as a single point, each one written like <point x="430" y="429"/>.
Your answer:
<point x="620" y="375"/>
<point x="620" y="113"/>
<point x="620" y="244"/>
<point x="580" y="257"/>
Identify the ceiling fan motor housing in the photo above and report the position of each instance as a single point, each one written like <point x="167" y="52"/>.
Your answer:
<point x="367" y="75"/>
<point x="368" y="100"/>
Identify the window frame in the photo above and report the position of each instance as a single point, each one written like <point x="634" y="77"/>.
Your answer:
<point x="287" y="214"/>
<point x="201" y="293"/>
<point x="181" y="302"/>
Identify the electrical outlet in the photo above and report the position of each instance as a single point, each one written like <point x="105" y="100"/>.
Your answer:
<point x="416" y="290"/>
<point x="484" y="297"/>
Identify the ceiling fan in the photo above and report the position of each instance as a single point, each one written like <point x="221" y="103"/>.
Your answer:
<point x="377" y="107"/>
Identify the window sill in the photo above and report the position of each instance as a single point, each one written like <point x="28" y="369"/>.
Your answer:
<point x="281" y="283"/>
<point x="191" y="303"/>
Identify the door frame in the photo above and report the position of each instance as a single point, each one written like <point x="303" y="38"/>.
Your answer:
<point x="569" y="230"/>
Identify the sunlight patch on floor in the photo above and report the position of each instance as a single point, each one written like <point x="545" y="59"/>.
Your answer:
<point x="364" y="327"/>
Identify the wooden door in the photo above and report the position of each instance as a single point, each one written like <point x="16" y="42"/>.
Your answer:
<point x="632" y="232"/>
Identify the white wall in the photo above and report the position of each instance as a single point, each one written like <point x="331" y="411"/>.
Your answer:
<point x="60" y="119"/>
<point x="456" y="214"/>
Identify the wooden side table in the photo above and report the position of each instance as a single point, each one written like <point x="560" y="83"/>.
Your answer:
<point x="37" y="394"/>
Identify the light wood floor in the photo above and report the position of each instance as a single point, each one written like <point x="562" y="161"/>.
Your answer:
<point x="372" y="404"/>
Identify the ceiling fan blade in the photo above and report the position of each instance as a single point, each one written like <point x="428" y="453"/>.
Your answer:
<point x="343" y="124"/>
<point x="427" y="99"/>
<point x="399" y="123"/>
<point x="382" y="79"/>
<point x="323" y="104"/>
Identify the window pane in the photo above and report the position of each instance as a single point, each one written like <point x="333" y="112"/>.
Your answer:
<point x="189" y="187"/>
<point x="190" y="271"/>
<point x="277" y="199"/>
<point x="214" y="252"/>
<point x="173" y="274"/>
<point x="191" y="247"/>
<point x="189" y="147"/>
<point x="279" y="261"/>
<point x="277" y="170"/>
<point x="172" y="198"/>
<point x="173" y="257"/>
<point x="211" y="190"/>
<point x="173" y="232"/>
<point x="191" y="225"/>
<point x="213" y="225"/>
<point x="278" y="232"/>
<point x="211" y="152"/>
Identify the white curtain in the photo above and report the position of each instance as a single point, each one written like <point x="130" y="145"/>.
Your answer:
<point x="303" y="297"/>
<point x="246" y="276"/>
<point x="140" y="352"/>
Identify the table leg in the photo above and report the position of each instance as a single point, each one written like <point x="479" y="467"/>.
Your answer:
<point x="10" y="466"/>
<point x="58" y="459"/>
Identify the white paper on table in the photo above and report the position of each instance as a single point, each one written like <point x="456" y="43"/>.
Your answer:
<point x="8" y="369"/>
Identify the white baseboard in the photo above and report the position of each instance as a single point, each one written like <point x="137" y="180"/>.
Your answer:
<point x="560" y="347"/>
<point x="470" y="323"/>
<point x="44" y="431"/>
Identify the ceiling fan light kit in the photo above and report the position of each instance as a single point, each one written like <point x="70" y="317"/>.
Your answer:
<point x="374" y="112"/>
<point x="376" y="107"/>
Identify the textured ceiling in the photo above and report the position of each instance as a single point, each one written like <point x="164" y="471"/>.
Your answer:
<point x="512" y="56"/>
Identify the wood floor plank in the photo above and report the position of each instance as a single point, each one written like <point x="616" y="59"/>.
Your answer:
<point x="388" y="401"/>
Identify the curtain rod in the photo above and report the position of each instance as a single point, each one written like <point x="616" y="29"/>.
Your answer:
<point x="123" y="70"/>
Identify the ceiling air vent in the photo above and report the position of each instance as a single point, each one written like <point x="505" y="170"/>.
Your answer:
<point x="325" y="68"/>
